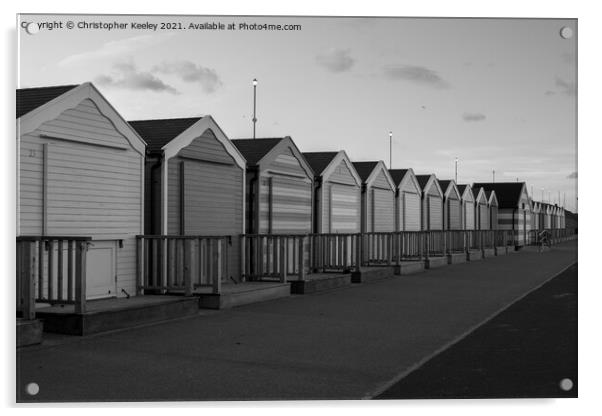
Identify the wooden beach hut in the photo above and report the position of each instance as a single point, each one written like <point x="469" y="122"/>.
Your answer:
<point x="538" y="215"/>
<point x="452" y="206"/>
<point x="493" y="209"/>
<point x="514" y="211"/>
<point x="548" y="216"/>
<point x="378" y="197"/>
<point x="468" y="207"/>
<point x="408" y="206"/>
<point x="80" y="173"/>
<point x="337" y="193"/>
<point x="481" y="209"/>
<point x="195" y="182"/>
<point x="432" y="202"/>
<point x="279" y="186"/>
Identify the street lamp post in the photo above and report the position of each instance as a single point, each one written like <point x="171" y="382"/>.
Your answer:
<point x="254" y="105"/>
<point x="493" y="173"/>
<point x="456" y="170"/>
<point x="390" y="150"/>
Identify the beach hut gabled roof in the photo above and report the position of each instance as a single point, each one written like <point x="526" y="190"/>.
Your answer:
<point x="508" y="193"/>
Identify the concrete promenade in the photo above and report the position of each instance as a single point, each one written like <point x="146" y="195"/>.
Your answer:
<point x="348" y="343"/>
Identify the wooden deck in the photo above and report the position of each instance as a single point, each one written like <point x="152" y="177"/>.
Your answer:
<point x="115" y="313"/>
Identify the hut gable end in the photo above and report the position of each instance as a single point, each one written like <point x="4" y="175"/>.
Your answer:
<point x="342" y="174"/>
<point x="83" y="124"/>
<point x="286" y="162"/>
<point x="207" y="148"/>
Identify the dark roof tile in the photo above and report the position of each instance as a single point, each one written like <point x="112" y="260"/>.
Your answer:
<point x="507" y="193"/>
<point x="254" y="150"/>
<point x="319" y="160"/>
<point x="28" y="99"/>
<point x="157" y="133"/>
<point x="398" y="175"/>
<point x="364" y="169"/>
<point x="423" y="180"/>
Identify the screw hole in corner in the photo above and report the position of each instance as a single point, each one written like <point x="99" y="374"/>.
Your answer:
<point x="566" y="384"/>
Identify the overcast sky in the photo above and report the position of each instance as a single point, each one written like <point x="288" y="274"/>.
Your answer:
<point x="499" y="94"/>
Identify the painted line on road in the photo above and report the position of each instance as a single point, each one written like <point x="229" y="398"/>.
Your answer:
<point x="417" y="365"/>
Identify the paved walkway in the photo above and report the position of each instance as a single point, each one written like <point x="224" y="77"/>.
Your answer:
<point x="348" y="343"/>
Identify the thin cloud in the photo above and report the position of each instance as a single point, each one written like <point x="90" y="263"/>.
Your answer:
<point x="336" y="60"/>
<point x="572" y="176"/>
<point x="473" y="117"/>
<point x="126" y="75"/>
<point x="416" y="74"/>
<point x="188" y="71"/>
<point x="566" y="87"/>
<point x="113" y="49"/>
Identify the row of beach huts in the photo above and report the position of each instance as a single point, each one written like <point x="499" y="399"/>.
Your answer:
<point x="88" y="180"/>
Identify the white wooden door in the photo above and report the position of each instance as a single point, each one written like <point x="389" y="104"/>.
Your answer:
<point x="100" y="270"/>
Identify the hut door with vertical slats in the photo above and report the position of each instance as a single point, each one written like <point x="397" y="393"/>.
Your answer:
<point x="290" y="205"/>
<point x="411" y="211"/>
<point x="435" y="213"/>
<point x="454" y="214"/>
<point x="344" y="209"/>
<point x="383" y="210"/>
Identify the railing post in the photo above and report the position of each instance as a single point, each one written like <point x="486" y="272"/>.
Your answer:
<point x="243" y="257"/>
<point x="358" y="252"/>
<point x="80" y="277"/>
<point x="301" y="258"/>
<point x="445" y="246"/>
<point x="188" y="283"/>
<point x="215" y="277"/>
<point x="345" y="253"/>
<point x="283" y="259"/>
<point x="139" y="265"/>
<point x="27" y="275"/>
<point x="426" y="245"/>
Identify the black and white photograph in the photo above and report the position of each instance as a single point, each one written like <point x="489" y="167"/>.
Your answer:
<point x="270" y="207"/>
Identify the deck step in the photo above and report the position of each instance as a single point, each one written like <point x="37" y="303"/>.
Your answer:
<point x="319" y="282"/>
<point x="474" y="255"/>
<point x="501" y="251"/>
<point x="488" y="252"/>
<point x="455" y="258"/>
<point x="409" y="267"/>
<point x="121" y="314"/>
<point x="243" y="294"/>
<point x="29" y="332"/>
<point x="368" y="274"/>
<point x="434" y="262"/>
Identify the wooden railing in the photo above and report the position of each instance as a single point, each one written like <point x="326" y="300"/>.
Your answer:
<point x="51" y="269"/>
<point x="181" y="264"/>
<point x="456" y="241"/>
<point x="554" y="235"/>
<point x="293" y="256"/>
<point x="333" y="252"/>
<point x="274" y="256"/>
